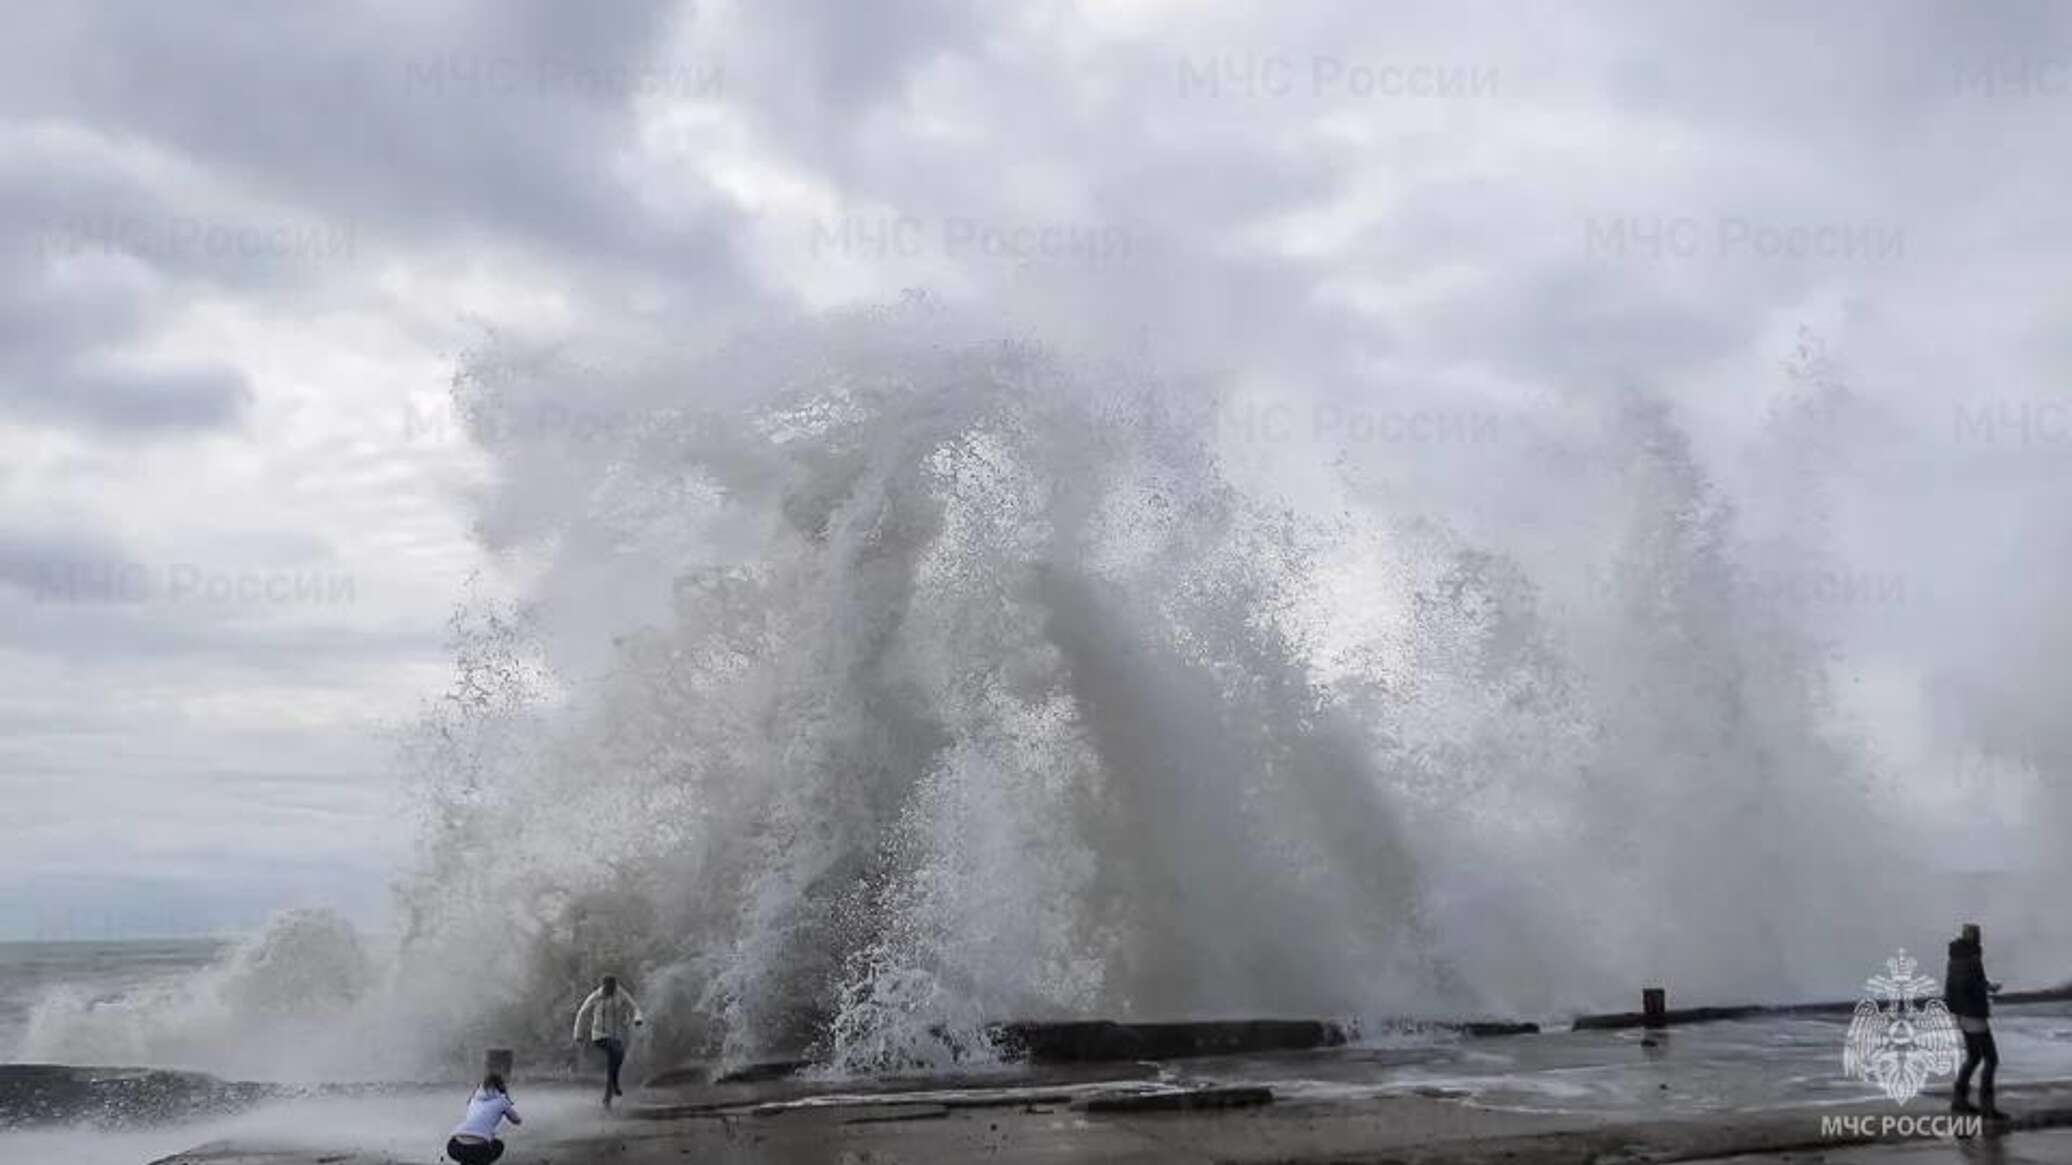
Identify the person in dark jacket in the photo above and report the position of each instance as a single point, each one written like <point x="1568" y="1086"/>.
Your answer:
<point x="1969" y="996"/>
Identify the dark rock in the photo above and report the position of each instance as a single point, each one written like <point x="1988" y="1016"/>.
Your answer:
<point x="35" y="1094"/>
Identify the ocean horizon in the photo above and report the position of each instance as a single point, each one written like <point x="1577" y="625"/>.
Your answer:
<point x="89" y="973"/>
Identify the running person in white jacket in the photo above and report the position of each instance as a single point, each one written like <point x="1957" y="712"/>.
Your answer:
<point x="604" y="1021"/>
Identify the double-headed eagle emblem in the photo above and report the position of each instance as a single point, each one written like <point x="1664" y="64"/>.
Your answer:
<point x="1900" y="1043"/>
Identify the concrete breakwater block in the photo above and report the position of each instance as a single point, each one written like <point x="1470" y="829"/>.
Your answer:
<point x="680" y="1076"/>
<point x="880" y="1114"/>
<point x="758" y="1073"/>
<point x="1176" y="1100"/>
<point x="1492" y="1027"/>
<point x="38" y="1094"/>
<point x="1099" y="1041"/>
<point x="1665" y="1016"/>
<point x="1086" y="1040"/>
<point x="698" y="1073"/>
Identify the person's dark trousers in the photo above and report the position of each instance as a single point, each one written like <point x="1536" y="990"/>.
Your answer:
<point x="614" y="1050"/>
<point x="1981" y="1053"/>
<point x="474" y="1152"/>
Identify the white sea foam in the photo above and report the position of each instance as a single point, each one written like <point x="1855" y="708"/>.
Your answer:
<point x="280" y="1006"/>
<point x="874" y="680"/>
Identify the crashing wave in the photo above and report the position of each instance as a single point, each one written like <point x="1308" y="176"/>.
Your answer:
<point x="871" y="683"/>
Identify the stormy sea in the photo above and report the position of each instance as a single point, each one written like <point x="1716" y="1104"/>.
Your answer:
<point x="879" y="680"/>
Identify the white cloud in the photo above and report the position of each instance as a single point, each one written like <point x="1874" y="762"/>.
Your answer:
<point x="245" y="251"/>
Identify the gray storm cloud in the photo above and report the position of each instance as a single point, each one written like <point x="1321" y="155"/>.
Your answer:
<point x="1666" y="403"/>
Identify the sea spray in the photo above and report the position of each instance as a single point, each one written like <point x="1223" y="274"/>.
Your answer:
<point x="873" y="681"/>
<point x="927" y="682"/>
<point x="982" y="715"/>
<point x="277" y="1007"/>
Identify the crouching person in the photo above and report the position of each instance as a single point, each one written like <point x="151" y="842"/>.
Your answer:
<point x="474" y="1141"/>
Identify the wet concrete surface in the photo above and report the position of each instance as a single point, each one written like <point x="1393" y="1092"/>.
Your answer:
<point x="1404" y="1131"/>
<point x="2041" y="1147"/>
<point x="1735" y="1065"/>
<point x="1754" y="1087"/>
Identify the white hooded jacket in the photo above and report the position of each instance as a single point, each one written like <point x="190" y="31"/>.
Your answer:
<point x="607" y="1016"/>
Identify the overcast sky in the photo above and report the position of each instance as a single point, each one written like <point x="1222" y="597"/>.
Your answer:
<point x="242" y="246"/>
